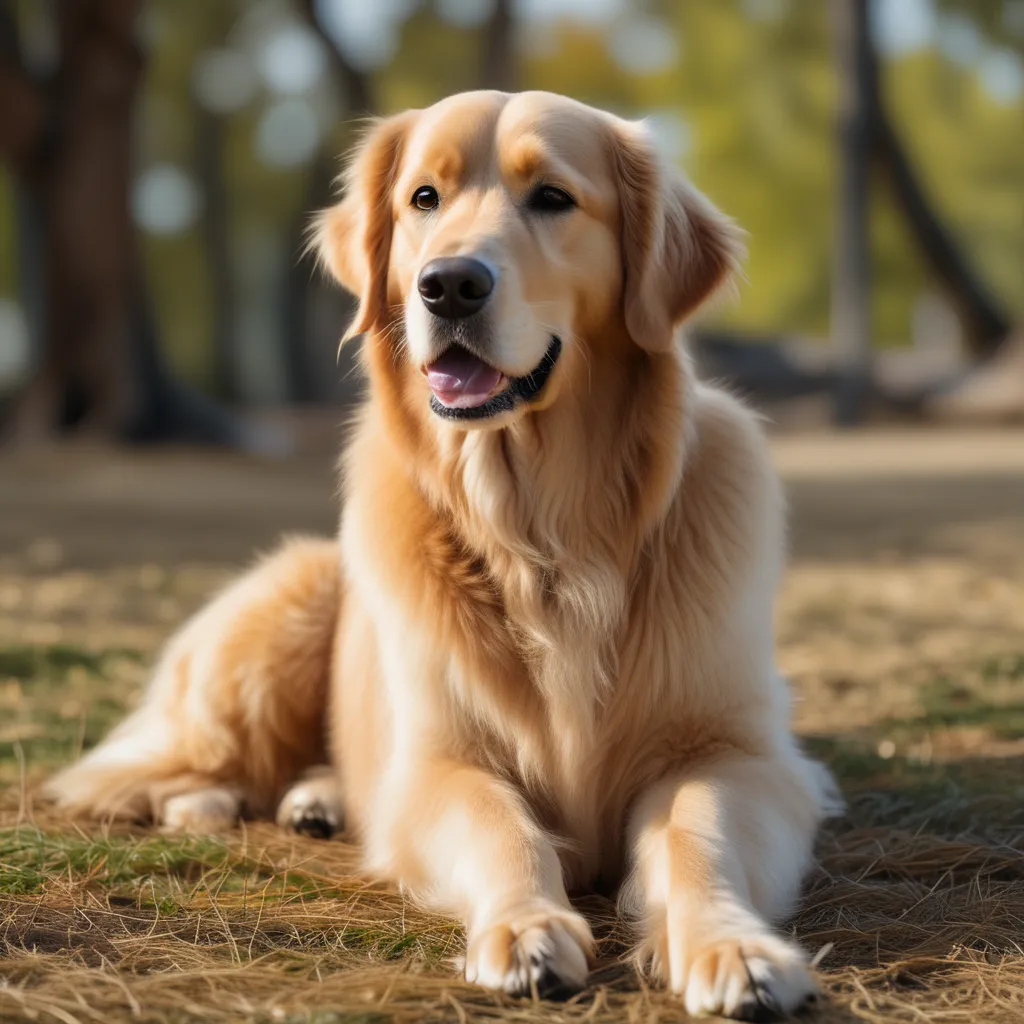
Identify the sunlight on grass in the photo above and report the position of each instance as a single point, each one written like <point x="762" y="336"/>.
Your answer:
<point x="918" y="890"/>
<point x="57" y="699"/>
<point x="31" y="858"/>
<point x="52" y="662"/>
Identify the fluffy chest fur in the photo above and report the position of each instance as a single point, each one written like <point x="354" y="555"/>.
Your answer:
<point x="561" y="624"/>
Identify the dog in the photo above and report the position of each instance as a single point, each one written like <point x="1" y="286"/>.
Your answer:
<point x="539" y="656"/>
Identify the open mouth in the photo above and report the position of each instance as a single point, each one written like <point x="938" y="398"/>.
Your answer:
<point x="464" y="387"/>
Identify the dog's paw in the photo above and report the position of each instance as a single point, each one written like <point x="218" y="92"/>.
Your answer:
<point x="313" y="806"/>
<point x="201" y="812"/>
<point x="757" y="977"/>
<point x="539" y="948"/>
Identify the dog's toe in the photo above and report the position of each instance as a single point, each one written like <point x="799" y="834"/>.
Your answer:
<point x="543" y="950"/>
<point x="760" y="978"/>
<point x="313" y="806"/>
<point x="314" y="821"/>
<point x="551" y="985"/>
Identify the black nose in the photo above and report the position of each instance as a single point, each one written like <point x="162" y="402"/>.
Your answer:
<point x="455" y="286"/>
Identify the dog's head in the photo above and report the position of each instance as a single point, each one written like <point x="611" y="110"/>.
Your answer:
<point x="505" y="239"/>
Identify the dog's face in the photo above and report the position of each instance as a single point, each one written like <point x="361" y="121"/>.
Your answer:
<point x="506" y="237"/>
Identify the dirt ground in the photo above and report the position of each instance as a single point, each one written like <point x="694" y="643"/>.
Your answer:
<point x="901" y="626"/>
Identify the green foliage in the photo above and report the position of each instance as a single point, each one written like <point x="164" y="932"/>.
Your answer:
<point x="968" y="150"/>
<point x="760" y="95"/>
<point x="1000" y="21"/>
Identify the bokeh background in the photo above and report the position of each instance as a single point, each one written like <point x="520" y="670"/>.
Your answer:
<point x="171" y="401"/>
<point x="162" y="158"/>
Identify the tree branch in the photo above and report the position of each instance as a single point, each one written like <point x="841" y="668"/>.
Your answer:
<point x="986" y="324"/>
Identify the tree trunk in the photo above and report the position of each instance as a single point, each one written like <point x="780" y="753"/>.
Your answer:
<point x="851" y="294"/>
<point x="310" y="353"/>
<point x="87" y="372"/>
<point x="69" y="142"/>
<point x="498" y="67"/>
<point x="217" y="238"/>
<point x="24" y="113"/>
<point x="315" y="309"/>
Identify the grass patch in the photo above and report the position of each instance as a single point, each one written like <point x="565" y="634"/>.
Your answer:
<point x="1007" y="667"/>
<point x="949" y="704"/>
<point x="30" y="859"/>
<point x="57" y="699"/>
<point x="386" y="944"/>
<point x="919" y="889"/>
<point x="52" y="662"/>
<point x="953" y="742"/>
<point x="166" y="873"/>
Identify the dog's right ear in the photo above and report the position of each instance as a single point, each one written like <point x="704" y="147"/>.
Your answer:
<point x="677" y="249"/>
<point x="353" y="238"/>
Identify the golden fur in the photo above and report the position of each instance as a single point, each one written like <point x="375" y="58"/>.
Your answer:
<point x="552" y="666"/>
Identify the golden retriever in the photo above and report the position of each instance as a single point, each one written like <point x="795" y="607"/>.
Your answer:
<point x="542" y="646"/>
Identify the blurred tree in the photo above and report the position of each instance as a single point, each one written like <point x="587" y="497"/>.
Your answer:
<point x="755" y="90"/>
<point x="499" y="66"/>
<point x="211" y="132"/>
<point x="851" y="290"/>
<point x="1001" y="22"/>
<point x="68" y="139"/>
<point x="354" y="83"/>
<point x="867" y="132"/>
<point x="69" y="145"/>
<point x="315" y="310"/>
<point x="986" y="325"/>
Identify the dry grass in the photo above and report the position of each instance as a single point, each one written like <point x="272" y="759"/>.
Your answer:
<point x="902" y="626"/>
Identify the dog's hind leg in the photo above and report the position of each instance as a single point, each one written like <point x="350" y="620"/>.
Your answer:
<point x="202" y="811"/>
<point x="235" y="712"/>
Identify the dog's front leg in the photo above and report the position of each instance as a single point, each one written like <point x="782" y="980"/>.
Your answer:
<point x="719" y="852"/>
<point x="464" y="839"/>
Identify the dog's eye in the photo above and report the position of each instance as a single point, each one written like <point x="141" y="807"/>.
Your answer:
<point x="548" y="199"/>
<point x="425" y="198"/>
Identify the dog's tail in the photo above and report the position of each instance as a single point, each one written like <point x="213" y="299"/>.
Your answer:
<point x="238" y="698"/>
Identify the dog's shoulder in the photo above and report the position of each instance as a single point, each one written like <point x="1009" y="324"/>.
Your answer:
<point x="729" y="433"/>
<point x="728" y="514"/>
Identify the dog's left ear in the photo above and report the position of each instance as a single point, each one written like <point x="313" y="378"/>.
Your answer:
<point x="677" y="249"/>
<point x="354" y="238"/>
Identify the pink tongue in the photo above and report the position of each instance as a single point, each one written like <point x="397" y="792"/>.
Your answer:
<point x="460" y="380"/>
